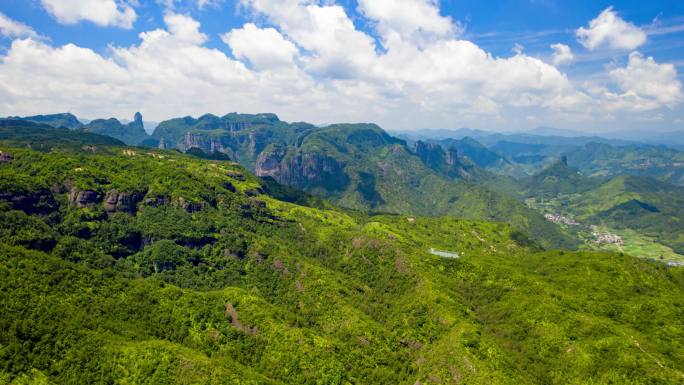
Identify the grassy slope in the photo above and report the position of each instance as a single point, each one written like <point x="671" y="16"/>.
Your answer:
<point x="335" y="296"/>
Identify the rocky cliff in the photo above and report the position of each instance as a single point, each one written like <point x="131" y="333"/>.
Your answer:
<point x="132" y="133"/>
<point x="208" y="144"/>
<point x="445" y="162"/>
<point x="302" y="169"/>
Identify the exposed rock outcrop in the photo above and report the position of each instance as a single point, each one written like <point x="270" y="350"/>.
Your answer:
<point x="445" y="162"/>
<point x="131" y="133"/>
<point x="190" y="207"/>
<point x="31" y="202"/>
<point x="156" y="201"/>
<point x="235" y="175"/>
<point x="203" y="142"/>
<point x="452" y="157"/>
<point x="5" y="157"/>
<point x="122" y="201"/>
<point x="84" y="198"/>
<point x="430" y="153"/>
<point x="302" y="169"/>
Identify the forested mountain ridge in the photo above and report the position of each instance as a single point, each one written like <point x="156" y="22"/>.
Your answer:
<point x="361" y="166"/>
<point x="63" y="120"/>
<point x="150" y="266"/>
<point x="132" y="133"/>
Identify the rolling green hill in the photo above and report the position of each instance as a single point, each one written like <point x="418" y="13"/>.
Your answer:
<point x="43" y="137"/>
<point x="63" y="120"/>
<point x="125" y="265"/>
<point x="659" y="162"/>
<point x="646" y="207"/>
<point x="558" y="178"/>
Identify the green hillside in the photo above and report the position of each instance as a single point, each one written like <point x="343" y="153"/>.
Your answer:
<point x="659" y="162"/>
<point x="153" y="267"/>
<point x="362" y="167"/>
<point x="557" y="179"/>
<point x="372" y="170"/>
<point x="63" y="120"/>
<point x="653" y="208"/>
<point x="646" y="213"/>
<point x="43" y="137"/>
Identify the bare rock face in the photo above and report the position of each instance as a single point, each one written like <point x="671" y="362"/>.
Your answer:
<point x="84" y="198"/>
<point x="268" y="163"/>
<point x="302" y="169"/>
<point x="255" y="144"/>
<point x="31" y="202"/>
<point x="156" y="201"/>
<point x="237" y="126"/>
<point x="5" y="157"/>
<point x="430" y="153"/>
<point x="204" y="142"/>
<point x="235" y="175"/>
<point x="162" y="144"/>
<point x="452" y="157"/>
<point x="122" y="201"/>
<point x="189" y="207"/>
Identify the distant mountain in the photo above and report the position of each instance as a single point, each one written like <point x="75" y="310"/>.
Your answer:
<point x="66" y="120"/>
<point x="439" y="134"/>
<point x="132" y="133"/>
<point x="475" y="151"/>
<point x="557" y="179"/>
<point x="40" y="136"/>
<point x="242" y="136"/>
<point x="651" y="207"/>
<point x="359" y="166"/>
<point x="543" y="136"/>
<point x="514" y="154"/>
<point x="674" y="139"/>
<point x="551" y="131"/>
<point x="656" y="161"/>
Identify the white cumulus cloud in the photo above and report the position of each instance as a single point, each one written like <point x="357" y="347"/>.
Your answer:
<point x="609" y="29"/>
<point x="184" y="28"/>
<point x="562" y="54"/>
<point x="341" y="49"/>
<point x="114" y="13"/>
<point x="12" y="28"/>
<point x="309" y="62"/>
<point x="645" y="78"/>
<point x="413" y="20"/>
<point x="264" y="48"/>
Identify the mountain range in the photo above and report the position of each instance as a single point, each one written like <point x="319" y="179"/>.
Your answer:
<point x="140" y="264"/>
<point x="361" y="166"/>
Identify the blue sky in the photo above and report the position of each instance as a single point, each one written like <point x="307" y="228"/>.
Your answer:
<point x="608" y="85"/>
